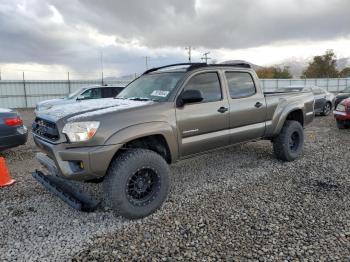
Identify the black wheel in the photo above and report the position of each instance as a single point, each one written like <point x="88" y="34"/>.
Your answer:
<point x="327" y="109"/>
<point x="137" y="183"/>
<point x="288" y="145"/>
<point x="341" y="124"/>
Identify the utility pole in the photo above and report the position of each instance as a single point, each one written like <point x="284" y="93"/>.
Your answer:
<point x="24" y="91"/>
<point x="0" y="74"/>
<point x="146" y="62"/>
<point x="101" y="56"/>
<point x="189" y="51"/>
<point x="205" y="57"/>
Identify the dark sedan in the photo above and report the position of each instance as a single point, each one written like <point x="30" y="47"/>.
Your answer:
<point x="12" y="131"/>
<point x="341" y="96"/>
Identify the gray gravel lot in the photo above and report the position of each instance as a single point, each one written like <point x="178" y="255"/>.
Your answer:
<point x="238" y="203"/>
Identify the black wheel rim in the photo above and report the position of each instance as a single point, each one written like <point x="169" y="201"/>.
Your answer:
<point x="327" y="109"/>
<point x="143" y="187"/>
<point x="294" y="141"/>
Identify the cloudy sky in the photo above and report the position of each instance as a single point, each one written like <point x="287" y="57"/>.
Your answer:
<point x="46" y="39"/>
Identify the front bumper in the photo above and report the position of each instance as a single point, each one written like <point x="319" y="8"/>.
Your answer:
<point x="17" y="139"/>
<point x="78" y="163"/>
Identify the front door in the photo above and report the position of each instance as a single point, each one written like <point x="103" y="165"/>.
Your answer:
<point x="203" y="126"/>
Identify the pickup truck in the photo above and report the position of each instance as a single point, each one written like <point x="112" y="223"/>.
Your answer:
<point x="168" y="114"/>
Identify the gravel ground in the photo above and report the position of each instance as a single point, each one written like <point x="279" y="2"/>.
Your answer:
<point x="235" y="204"/>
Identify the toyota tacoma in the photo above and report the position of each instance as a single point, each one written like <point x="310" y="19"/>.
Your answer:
<point x="168" y="114"/>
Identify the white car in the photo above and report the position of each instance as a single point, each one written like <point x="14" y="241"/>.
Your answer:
<point x="85" y="93"/>
<point x="324" y="100"/>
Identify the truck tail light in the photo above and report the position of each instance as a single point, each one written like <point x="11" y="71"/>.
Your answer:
<point x="16" y="121"/>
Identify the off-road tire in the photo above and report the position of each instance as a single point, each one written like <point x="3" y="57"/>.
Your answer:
<point x="327" y="109"/>
<point x="341" y="124"/>
<point x="117" y="182"/>
<point x="282" y="143"/>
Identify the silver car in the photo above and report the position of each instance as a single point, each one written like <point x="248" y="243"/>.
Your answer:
<point x="324" y="100"/>
<point x="85" y="93"/>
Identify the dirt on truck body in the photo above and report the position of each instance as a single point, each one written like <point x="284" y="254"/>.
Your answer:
<point x="166" y="115"/>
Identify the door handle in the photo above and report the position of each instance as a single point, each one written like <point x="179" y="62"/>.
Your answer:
<point x="222" y="109"/>
<point x="258" y="104"/>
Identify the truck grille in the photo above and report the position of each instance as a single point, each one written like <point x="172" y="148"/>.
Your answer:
<point x="45" y="129"/>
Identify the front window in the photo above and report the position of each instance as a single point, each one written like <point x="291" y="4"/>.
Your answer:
<point x="75" y="93"/>
<point x="156" y="87"/>
<point x="93" y="93"/>
<point x="208" y="84"/>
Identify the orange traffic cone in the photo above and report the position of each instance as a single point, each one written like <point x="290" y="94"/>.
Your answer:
<point x="5" y="179"/>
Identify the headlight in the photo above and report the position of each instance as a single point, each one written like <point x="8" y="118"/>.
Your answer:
<point x="43" y="107"/>
<point x="80" y="131"/>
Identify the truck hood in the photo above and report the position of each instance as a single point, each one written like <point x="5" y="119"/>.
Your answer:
<point x="89" y="108"/>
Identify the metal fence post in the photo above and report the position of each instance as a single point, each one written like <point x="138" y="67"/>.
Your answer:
<point x="25" y="91"/>
<point x="327" y="84"/>
<point x="69" y="91"/>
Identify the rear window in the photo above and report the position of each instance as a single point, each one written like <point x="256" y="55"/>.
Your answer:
<point x="240" y="84"/>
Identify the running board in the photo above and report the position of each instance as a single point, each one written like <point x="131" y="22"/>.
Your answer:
<point x="67" y="192"/>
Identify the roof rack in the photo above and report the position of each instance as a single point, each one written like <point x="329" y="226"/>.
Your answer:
<point x="192" y="66"/>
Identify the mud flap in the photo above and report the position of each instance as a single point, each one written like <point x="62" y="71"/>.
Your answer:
<point x="67" y="192"/>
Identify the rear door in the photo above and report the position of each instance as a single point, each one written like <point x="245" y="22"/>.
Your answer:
<point x="247" y="107"/>
<point x="203" y="126"/>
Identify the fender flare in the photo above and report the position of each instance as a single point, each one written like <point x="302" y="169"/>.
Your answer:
<point x="133" y="132"/>
<point x="282" y="114"/>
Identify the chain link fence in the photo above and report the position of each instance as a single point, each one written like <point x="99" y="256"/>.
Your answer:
<point x="25" y="94"/>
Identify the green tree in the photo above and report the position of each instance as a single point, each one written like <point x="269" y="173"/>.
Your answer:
<point x="345" y="72"/>
<point x="282" y="73"/>
<point x="274" y="72"/>
<point x="322" y="66"/>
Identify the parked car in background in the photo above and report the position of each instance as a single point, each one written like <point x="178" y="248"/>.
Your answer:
<point x="324" y="100"/>
<point x="342" y="114"/>
<point x="85" y="93"/>
<point x="341" y="96"/>
<point x="12" y="131"/>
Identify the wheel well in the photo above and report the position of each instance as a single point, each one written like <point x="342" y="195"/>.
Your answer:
<point x="296" y="115"/>
<point x="156" y="143"/>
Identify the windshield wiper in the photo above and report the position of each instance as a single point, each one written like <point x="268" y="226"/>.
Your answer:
<point x="139" y="99"/>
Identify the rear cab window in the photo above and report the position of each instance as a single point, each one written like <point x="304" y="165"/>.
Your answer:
<point x="240" y="84"/>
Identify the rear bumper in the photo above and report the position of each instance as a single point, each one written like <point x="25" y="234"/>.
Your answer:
<point x="17" y="139"/>
<point x="82" y="163"/>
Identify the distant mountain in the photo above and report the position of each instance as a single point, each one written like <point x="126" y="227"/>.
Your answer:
<point x="254" y="66"/>
<point x="343" y="62"/>
<point x="120" y="78"/>
<point x="298" y="65"/>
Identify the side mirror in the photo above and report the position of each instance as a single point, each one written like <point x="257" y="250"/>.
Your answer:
<point x="191" y="96"/>
<point x="81" y="97"/>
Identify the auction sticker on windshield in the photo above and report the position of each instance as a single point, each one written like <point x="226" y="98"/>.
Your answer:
<point x="160" y="93"/>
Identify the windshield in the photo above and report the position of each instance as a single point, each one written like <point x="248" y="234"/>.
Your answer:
<point x="346" y="90"/>
<point x="156" y="87"/>
<point x="75" y="93"/>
